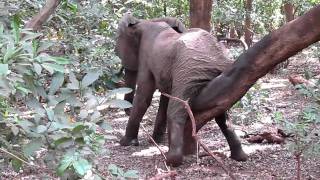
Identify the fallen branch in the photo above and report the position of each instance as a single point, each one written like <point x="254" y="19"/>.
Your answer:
<point x="17" y="157"/>
<point x="154" y="142"/>
<point x="194" y="134"/>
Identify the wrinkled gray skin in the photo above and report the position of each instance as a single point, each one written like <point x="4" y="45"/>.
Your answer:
<point x="177" y="64"/>
<point x="131" y="70"/>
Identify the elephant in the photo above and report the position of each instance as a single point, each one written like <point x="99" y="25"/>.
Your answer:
<point x="179" y="64"/>
<point x="130" y="67"/>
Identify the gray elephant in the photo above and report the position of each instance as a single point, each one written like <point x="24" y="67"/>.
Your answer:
<point x="177" y="64"/>
<point x="130" y="65"/>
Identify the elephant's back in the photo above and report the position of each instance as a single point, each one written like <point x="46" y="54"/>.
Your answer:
<point x="199" y="59"/>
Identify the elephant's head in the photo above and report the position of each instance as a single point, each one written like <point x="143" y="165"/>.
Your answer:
<point x="128" y="38"/>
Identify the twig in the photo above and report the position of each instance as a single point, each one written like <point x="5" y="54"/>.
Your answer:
<point x="164" y="175"/>
<point x="154" y="142"/>
<point x="17" y="157"/>
<point x="194" y="134"/>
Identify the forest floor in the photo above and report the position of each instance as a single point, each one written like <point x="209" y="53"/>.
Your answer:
<point x="274" y="93"/>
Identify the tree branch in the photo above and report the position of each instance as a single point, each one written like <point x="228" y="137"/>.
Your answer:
<point x="225" y="90"/>
<point x="194" y="134"/>
<point x="38" y="20"/>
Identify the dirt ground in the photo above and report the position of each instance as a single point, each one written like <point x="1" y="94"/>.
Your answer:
<point x="266" y="161"/>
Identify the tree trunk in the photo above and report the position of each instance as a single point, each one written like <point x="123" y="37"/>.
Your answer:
<point x="225" y="90"/>
<point x="248" y="34"/>
<point x="200" y="14"/>
<point x="38" y="20"/>
<point x="288" y="9"/>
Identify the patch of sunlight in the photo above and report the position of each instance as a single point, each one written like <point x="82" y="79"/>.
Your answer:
<point x="266" y="119"/>
<point x="271" y="85"/>
<point x="252" y="148"/>
<point x="121" y="119"/>
<point x="257" y="125"/>
<point x="151" y="151"/>
<point x="156" y="93"/>
<point x="120" y="113"/>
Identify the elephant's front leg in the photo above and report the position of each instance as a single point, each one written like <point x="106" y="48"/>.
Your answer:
<point x="141" y="102"/>
<point x="237" y="152"/>
<point x="130" y="78"/>
<point x="161" y="120"/>
<point x="177" y="116"/>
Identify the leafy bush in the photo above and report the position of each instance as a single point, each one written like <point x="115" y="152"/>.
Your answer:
<point x="45" y="105"/>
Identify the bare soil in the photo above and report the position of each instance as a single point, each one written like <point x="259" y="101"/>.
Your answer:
<point x="266" y="161"/>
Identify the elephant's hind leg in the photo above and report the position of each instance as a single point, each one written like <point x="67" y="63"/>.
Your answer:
<point x="177" y="116"/>
<point x="161" y="120"/>
<point x="237" y="152"/>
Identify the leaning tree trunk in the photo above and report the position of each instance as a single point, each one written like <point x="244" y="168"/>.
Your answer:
<point x="225" y="90"/>
<point x="288" y="9"/>
<point x="248" y="34"/>
<point x="38" y="20"/>
<point x="200" y="14"/>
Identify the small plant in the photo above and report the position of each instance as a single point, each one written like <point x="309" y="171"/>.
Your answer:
<point x="251" y="103"/>
<point x="119" y="173"/>
<point x="305" y="129"/>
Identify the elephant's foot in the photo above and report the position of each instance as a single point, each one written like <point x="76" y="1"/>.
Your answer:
<point x="127" y="141"/>
<point x="239" y="155"/>
<point x="174" y="158"/>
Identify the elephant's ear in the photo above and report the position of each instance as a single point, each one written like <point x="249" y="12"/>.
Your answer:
<point x="127" y="20"/>
<point x="175" y="23"/>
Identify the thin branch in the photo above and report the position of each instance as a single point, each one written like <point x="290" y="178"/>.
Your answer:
<point x="194" y="134"/>
<point x="17" y="157"/>
<point x="154" y="142"/>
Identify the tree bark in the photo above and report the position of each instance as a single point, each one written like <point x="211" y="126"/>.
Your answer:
<point x="38" y="20"/>
<point x="225" y="90"/>
<point x="248" y="34"/>
<point x="200" y="14"/>
<point x="288" y="9"/>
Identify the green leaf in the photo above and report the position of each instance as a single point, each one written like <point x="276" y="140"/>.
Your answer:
<point x="53" y="67"/>
<point x="37" y="68"/>
<point x="131" y="174"/>
<point x="121" y="91"/>
<point x="60" y="60"/>
<point x="33" y="146"/>
<point x="119" y="103"/>
<point x="4" y="69"/>
<point x="62" y="140"/>
<point x="65" y="163"/>
<point x="44" y="46"/>
<point x="41" y="129"/>
<point x="16" y="164"/>
<point x="82" y="166"/>
<point x="74" y="82"/>
<point x="56" y="83"/>
<point x="78" y="128"/>
<point x="89" y="78"/>
<point x="16" y="27"/>
<point x="113" y="169"/>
